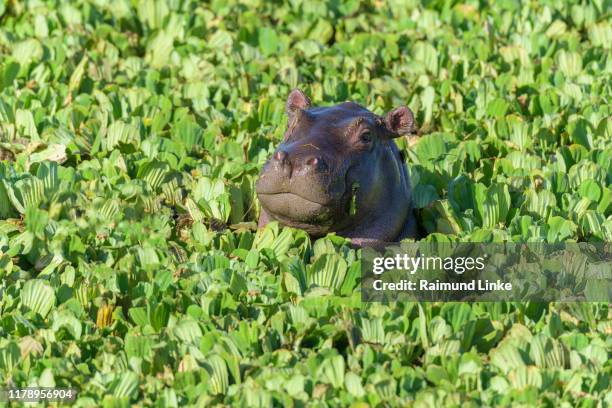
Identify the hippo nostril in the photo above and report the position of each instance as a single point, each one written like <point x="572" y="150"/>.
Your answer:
<point x="280" y="156"/>
<point x="316" y="163"/>
<point x="313" y="161"/>
<point x="282" y="163"/>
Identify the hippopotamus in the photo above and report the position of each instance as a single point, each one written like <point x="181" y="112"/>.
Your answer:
<point x="338" y="170"/>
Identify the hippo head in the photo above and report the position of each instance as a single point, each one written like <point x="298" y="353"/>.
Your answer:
<point x="335" y="166"/>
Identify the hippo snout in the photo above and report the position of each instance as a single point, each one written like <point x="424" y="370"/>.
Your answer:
<point x="302" y="163"/>
<point x="299" y="187"/>
<point x="302" y="173"/>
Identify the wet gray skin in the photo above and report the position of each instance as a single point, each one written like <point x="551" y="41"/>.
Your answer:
<point x="338" y="170"/>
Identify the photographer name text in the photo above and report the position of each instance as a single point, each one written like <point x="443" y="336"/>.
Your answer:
<point x="439" y="286"/>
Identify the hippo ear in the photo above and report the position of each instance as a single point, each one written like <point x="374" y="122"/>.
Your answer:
<point x="296" y="100"/>
<point x="400" y="121"/>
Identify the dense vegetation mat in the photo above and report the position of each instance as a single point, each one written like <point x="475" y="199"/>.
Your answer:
<point x="131" y="133"/>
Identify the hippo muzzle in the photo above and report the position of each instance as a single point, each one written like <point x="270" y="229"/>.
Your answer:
<point x="303" y="187"/>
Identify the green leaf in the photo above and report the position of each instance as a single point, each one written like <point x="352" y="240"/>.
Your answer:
<point x="27" y="51"/>
<point x="8" y="72"/>
<point x="352" y="383"/>
<point x="591" y="190"/>
<point x="139" y="316"/>
<point x="219" y="377"/>
<point x="36" y="220"/>
<point x="570" y="63"/>
<point x="138" y="346"/>
<point x="10" y="356"/>
<point x="188" y="330"/>
<point x="436" y="374"/>
<point x="120" y="132"/>
<point x="268" y="41"/>
<point x="560" y="229"/>
<point x="426" y="54"/>
<point x="24" y="122"/>
<point x="423" y="327"/>
<point x="522" y="377"/>
<point x="540" y="204"/>
<point x="53" y="152"/>
<point x="160" y="49"/>
<point x="580" y="132"/>
<point x="67" y="320"/>
<point x="126" y="385"/>
<point x="38" y="296"/>
<point x="372" y="330"/>
<point x="77" y="75"/>
<point x="322" y="31"/>
<point x="424" y="195"/>
<point x="328" y="271"/>
<point x="332" y="371"/>
<point x="154" y="173"/>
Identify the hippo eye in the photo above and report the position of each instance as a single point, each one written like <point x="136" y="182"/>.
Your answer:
<point x="366" y="137"/>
